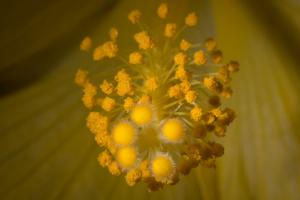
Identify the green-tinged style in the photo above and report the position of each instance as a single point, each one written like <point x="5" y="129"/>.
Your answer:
<point x="46" y="150"/>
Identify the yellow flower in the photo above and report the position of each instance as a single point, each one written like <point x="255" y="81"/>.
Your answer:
<point x="158" y="130"/>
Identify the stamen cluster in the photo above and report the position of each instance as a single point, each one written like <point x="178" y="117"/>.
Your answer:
<point x="160" y="115"/>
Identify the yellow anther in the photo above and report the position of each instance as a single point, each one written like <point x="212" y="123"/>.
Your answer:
<point x="151" y="84"/>
<point x="185" y="86"/>
<point x="193" y="152"/>
<point x="170" y="30"/>
<point x="190" y="96"/>
<point x="122" y="75"/>
<point x="124" y="88"/>
<point x="162" y="167"/>
<point x="134" y="16"/>
<point x="135" y="58"/>
<point x="103" y="139"/>
<point x="86" y="44"/>
<point x="114" y="169"/>
<point x="128" y="104"/>
<point x="212" y="84"/>
<point x="196" y="114"/>
<point x="233" y="66"/>
<point x="174" y="91"/>
<point x="226" y="92"/>
<point x="124" y="85"/>
<point x="113" y="34"/>
<point x="172" y="131"/>
<point x="105" y="158"/>
<point x="110" y="49"/>
<point x="142" y="114"/>
<point x="181" y="73"/>
<point x="90" y="92"/>
<point x="185" y="45"/>
<point x="106" y="87"/>
<point x="108" y="104"/>
<point x="144" y="167"/>
<point x="210" y="44"/>
<point x="162" y="10"/>
<point x="191" y="19"/>
<point x="98" y="54"/>
<point x="127" y="157"/>
<point x="123" y="133"/>
<point x="217" y="56"/>
<point x="143" y="39"/>
<point x="133" y="176"/>
<point x="216" y="112"/>
<point x="145" y="99"/>
<point x="81" y="77"/>
<point x="180" y="59"/>
<point x="199" y="58"/>
<point x="96" y="122"/>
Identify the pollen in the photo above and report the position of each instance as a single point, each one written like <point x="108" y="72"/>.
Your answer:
<point x="96" y="122"/>
<point x="162" y="10"/>
<point x="191" y="19"/>
<point x="133" y="176"/>
<point x="172" y="131"/>
<point x="128" y="104"/>
<point x="180" y="59"/>
<point x="170" y="30"/>
<point x="142" y="114"/>
<point x="210" y="44"/>
<point x="174" y="91"/>
<point x="135" y="58"/>
<point x="151" y="84"/>
<point x="124" y="133"/>
<point x="134" y="16"/>
<point x="105" y="159"/>
<point x="185" y="45"/>
<point x="127" y="157"/>
<point x="143" y="39"/>
<point x="108" y="104"/>
<point x="162" y="167"/>
<point x="158" y="107"/>
<point x="199" y="58"/>
<point x="110" y="49"/>
<point x="98" y="53"/>
<point x="86" y="44"/>
<point x="90" y="92"/>
<point x="81" y="77"/>
<point x="190" y="96"/>
<point x="196" y="114"/>
<point x="106" y="87"/>
<point x="113" y="34"/>
<point x="181" y="73"/>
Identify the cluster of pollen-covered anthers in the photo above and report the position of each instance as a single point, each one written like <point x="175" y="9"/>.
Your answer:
<point x="158" y="116"/>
